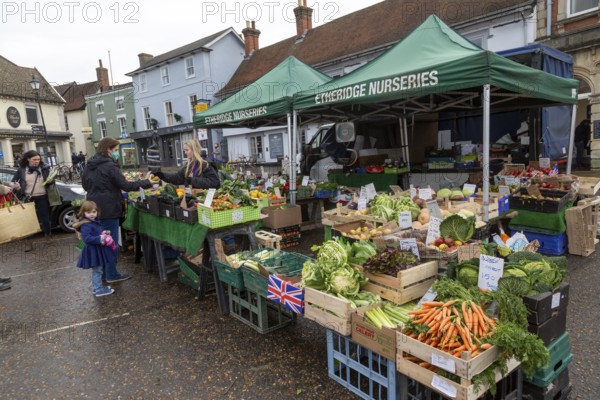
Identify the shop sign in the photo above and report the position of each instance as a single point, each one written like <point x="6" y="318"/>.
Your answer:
<point x="13" y="117"/>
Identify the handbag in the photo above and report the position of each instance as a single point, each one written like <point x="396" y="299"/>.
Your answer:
<point x="53" y="195"/>
<point x="17" y="222"/>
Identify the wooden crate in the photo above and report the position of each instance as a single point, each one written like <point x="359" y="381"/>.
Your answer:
<point x="268" y="239"/>
<point x="588" y="185"/>
<point x="339" y="215"/>
<point x="582" y="227"/>
<point x="465" y="390"/>
<point x="328" y="310"/>
<point x="407" y="285"/>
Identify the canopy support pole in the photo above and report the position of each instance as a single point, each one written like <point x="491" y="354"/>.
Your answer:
<point x="486" y="152"/>
<point x="289" y="131"/>
<point x="293" y="159"/>
<point x="571" y="138"/>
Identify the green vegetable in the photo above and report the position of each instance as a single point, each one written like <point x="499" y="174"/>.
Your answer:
<point x="390" y="261"/>
<point x="312" y="276"/>
<point x="345" y="281"/>
<point x="467" y="274"/>
<point x="361" y="251"/>
<point x="457" y="228"/>
<point x="331" y="255"/>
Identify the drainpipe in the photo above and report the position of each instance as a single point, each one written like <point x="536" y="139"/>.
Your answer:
<point x="548" y="18"/>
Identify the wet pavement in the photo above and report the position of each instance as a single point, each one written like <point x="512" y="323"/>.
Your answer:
<point x="152" y="340"/>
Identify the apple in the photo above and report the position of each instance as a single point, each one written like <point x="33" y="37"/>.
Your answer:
<point x="439" y="241"/>
<point x="449" y="241"/>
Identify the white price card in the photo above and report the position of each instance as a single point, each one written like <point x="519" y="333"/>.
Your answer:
<point x="371" y="192"/>
<point x="304" y="180"/>
<point x="433" y="231"/>
<point x="395" y="189"/>
<point x="362" y="204"/>
<point x="434" y="209"/>
<point x="443" y="386"/>
<point x="413" y="192"/>
<point x="430" y="295"/>
<point x="404" y="220"/>
<point x="443" y="362"/>
<point x="142" y="194"/>
<point x="469" y="187"/>
<point x="277" y="192"/>
<point x="425" y="193"/>
<point x="282" y="181"/>
<point x="268" y="184"/>
<point x="512" y="181"/>
<point x="555" y="300"/>
<point x="410" y="244"/>
<point x="209" y="197"/>
<point x="364" y="193"/>
<point x="248" y="173"/>
<point x="490" y="271"/>
<point x="504" y="190"/>
<point x="544" y="162"/>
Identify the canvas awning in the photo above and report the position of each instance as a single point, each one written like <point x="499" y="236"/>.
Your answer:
<point x="267" y="101"/>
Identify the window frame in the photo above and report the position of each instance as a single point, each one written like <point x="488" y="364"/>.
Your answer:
<point x="99" y="104"/>
<point x="192" y="100"/>
<point x="583" y="12"/>
<point x="122" y="128"/>
<point x="189" y="75"/>
<point x="143" y="83"/>
<point x="164" y="75"/>
<point x="120" y="100"/>
<point x="37" y="117"/>
<point x="169" y="114"/>
<point x="102" y="122"/>
<point x="147" y="117"/>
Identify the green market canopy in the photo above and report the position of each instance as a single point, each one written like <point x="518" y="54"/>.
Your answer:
<point x="265" y="101"/>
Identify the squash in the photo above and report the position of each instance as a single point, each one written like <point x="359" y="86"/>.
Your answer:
<point x="424" y="216"/>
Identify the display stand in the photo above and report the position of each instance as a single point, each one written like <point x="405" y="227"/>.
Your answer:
<point x="210" y="254"/>
<point x="315" y="213"/>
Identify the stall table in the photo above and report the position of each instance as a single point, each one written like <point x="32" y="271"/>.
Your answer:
<point x="381" y="181"/>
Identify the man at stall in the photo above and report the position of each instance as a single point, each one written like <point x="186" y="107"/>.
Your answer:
<point x="582" y="135"/>
<point x="197" y="172"/>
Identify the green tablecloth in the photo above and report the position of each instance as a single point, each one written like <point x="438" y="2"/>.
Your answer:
<point x="177" y="234"/>
<point x="382" y="182"/>
<point x="548" y="223"/>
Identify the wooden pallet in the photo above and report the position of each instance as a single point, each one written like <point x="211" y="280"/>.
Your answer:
<point x="582" y="226"/>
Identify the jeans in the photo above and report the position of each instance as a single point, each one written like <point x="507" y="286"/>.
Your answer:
<point x="42" y="209"/>
<point x="112" y="224"/>
<point x="579" y="160"/>
<point x="97" y="278"/>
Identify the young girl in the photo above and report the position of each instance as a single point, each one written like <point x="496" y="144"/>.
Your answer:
<point x="99" y="246"/>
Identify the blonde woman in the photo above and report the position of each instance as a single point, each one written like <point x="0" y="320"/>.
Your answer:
<point x="197" y="172"/>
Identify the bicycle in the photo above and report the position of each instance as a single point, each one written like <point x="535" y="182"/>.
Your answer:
<point x="63" y="172"/>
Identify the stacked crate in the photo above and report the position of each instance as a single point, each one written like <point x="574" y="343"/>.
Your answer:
<point x="290" y="235"/>
<point x="284" y="221"/>
<point x="548" y="319"/>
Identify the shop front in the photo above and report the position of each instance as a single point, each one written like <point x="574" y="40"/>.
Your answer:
<point x="169" y="140"/>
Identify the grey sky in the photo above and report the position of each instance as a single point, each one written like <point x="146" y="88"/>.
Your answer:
<point x="64" y="39"/>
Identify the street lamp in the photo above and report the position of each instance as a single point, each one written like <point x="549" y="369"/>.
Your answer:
<point x="35" y="85"/>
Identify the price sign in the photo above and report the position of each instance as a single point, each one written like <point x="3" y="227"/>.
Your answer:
<point x="371" y="192"/>
<point x="364" y="193"/>
<point x="142" y="194"/>
<point x="362" y="204"/>
<point x="443" y="386"/>
<point x="544" y="162"/>
<point x="534" y="190"/>
<point x="395" y="189"/>
<point x="512" y="181"/>
<point x="277" y="192"/>
<point x="268" y="184"/>
<point x="469" y="187"/>
<point x="430" y="295"/>
<point x="410" y="244"/>
<point x="304" y="180"/>
<point x="282" y="181"/>
<point x="490" y="271"/>
<point x="248" y="173"/>
<point x="209" y="197"/>
<point x="425" y="193"/>
<point x="555" y="300"/>
<point x="468" y="252"/>
<point x="443" y="362"/>
<point x="413" y="192"/>
<point x="504" y="190"/>
<point x="434" y="209"/>
<point x="433" y="231"/>
<point x="404" y="220"/>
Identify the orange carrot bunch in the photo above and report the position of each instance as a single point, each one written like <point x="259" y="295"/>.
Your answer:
<point x="453" y="326"/>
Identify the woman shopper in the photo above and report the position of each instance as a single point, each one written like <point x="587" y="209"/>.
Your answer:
<point x="31" y="177"/>
<point x="197" y="172"/>
<point x="103" y="181"/>
<point x="6" y="188"/>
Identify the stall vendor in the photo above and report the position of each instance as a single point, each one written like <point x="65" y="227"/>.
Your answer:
<point x="197" y="172"/>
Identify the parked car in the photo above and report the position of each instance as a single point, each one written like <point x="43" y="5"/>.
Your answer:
<point x="64" y="215"/>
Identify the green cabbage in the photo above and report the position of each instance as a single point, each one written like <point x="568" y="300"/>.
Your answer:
<point x="312" y="276"/>
<point x="345" y="281"/>
<point x="457" y="228"/>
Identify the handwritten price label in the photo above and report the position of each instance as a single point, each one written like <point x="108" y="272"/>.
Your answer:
<point x="490" y="272"/>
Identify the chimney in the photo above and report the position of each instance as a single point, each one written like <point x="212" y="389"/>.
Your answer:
<point x="250" y="37"/>
<point x="102" y="77"/>
<point x="303" y="15"/>
<point x="144" y="58"/>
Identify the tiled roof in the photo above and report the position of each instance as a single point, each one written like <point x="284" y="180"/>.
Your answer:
<point x="74" y="94"/>
<point x="188" y="48"/>
<point x="380" y="25"/>
<point x="14" y="82"/>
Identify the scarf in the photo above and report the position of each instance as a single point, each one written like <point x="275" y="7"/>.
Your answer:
<point x="34" y="169"/>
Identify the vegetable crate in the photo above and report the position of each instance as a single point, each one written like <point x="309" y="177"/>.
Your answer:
<point x="407" y="285"/>
<point x="543" y="306"/>
<point x="284" y="265"/>
<point x="329" y="311"/>
<point x="166" y="208"/>
<point x="559" y="201"/>
<point x="187" y="215"/>
<point x="508" y="388"/>
<point x="465" y="368"/>
<point x="267" y="239"/>
<point x="360" y="370"/>
<point x="229" y="275"/>
<point x="558" y="389"/>
<point x="560" y="357"/>
<point x="218" y="219"/>
<point x="152" y="205"/>
<point x="257" y="312"/>
<point x="325" y="194"/>
<point x="190" y="277"/>
<point x="582" y="227"/>
<point x="549" y="244"/>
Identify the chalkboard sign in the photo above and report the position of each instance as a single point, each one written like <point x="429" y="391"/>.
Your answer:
<point x="276" y="145"/>
<point x="597" y="129"/>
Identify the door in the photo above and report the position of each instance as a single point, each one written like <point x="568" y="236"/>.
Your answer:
<point x="179" y="152"/>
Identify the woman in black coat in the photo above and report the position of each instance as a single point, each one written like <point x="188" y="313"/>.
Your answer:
<point x="197" y="172"/>
<point x="103" y="181"/>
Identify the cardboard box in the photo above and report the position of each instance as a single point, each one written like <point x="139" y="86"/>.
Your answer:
<point x="551" y="329"/>
<point x="543" y="306"/>
<point x="381" y="341"/>
<point x="278" y="217"/>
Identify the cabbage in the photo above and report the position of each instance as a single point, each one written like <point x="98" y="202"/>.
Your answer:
<point x="331" y="255"/>
<point x="457" y="228"/>
<point x="312" y="276"/>
<point x="468" y="275"/>
<point x="345" y="281"/>
<point x="444" y="193"/>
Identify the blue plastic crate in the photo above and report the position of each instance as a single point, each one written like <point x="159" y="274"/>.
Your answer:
<point x="502" y="204"/>
<point x="554" y="245"/>
<point x="360" y="370"/>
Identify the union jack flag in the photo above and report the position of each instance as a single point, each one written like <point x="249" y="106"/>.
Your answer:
<point x="284" y="292"/>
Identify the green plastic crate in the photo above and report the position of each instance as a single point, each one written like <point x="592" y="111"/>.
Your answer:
<point x="182" y="278"/>
<point x="190" y="274"/>
<point x="255" y="281"/>
<point x="219" y="219"/>
<point x="560" y="357"/>
<point x="284" y="263"/>
<point x="229" y="275"/>
<point x="257" y="312"/>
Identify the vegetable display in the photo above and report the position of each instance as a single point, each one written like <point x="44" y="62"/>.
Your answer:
<point x="390" y="261"/>
<point x="458" y="228"/>
<point x="383" y="206"/>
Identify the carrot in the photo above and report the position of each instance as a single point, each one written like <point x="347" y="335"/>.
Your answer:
<point x="485" y="346"/>
<point x="412" y="358"/>
<point x="433" y="328"/>
<point x="475" y="353"/>
<point x="424" y="364"/>
<point x="475" y="324"/>
<point x="421" y="337"/>
<point x="432" y="304"/>
<point x="445" y="322"/>
<point x="455" y="311"/>
<point x="465" y="313"/>
<point x="448" y="303"/>
<point x="471" y="318"/>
